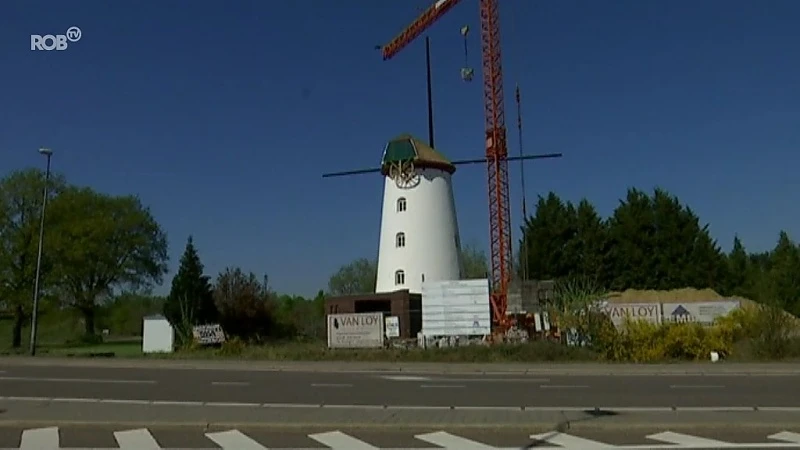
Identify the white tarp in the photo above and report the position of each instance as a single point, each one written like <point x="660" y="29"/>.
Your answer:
<point x="363" y="330"/>
<point x="456" y="308"/>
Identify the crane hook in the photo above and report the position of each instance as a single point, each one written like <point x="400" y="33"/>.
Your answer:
<point x="466" y="72"/>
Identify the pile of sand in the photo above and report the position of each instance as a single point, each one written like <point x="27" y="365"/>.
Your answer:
<point x="685" y="295"/>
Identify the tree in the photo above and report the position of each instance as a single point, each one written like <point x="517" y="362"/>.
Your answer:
<point x="738" y="268"/>
<point x="546" y="236"/>
<point x="246" y="306"/>
<point x="631" y="231"/>
<point x="190" y="301"/>
<point x="783" y="278"/>
<point x="474" y="262"/>
<point x="589" y="244"/>
<point x="21" y="194"/>
<point x="358" y="277"/>
<point x="100" y="243"/>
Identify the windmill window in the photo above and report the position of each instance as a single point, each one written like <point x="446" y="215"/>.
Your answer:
<point x="401" y="204"/>
<point x="399" y="278"/>
<point x="400" y="240"/>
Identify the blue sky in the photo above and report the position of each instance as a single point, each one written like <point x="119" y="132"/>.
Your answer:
<point x="223" y="115"/>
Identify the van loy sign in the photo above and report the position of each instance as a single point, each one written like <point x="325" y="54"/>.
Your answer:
<point x="363" y="330"/>
<point x="57" y="42"/>
<point x="649" y="312"/>
<point x="357" y="320"/>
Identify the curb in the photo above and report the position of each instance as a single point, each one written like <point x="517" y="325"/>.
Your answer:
<point x="532" y="427"/>
<point x="449" y="368"/>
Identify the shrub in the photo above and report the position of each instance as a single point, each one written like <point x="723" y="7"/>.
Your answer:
<point x="762" y="332"/>
<point x="642" y="341"/>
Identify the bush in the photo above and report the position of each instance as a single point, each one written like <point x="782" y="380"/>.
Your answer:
<point x="642" y="341"/>
<point x="762" y="332"/>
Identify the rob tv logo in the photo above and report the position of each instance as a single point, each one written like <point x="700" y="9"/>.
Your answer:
<point x="59" y="42"/>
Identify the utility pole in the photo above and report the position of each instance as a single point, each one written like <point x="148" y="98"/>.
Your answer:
<point x="35" y="313"/>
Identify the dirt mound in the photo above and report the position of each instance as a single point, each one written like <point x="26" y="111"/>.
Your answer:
<point x="685" y="295"/>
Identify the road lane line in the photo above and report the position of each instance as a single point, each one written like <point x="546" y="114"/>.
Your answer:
<point x="405" y="378"/>
<point x="331" y="385"/>
<point x="685" y="440"/>
<point x="491" y="380"/>
<point x="442" y="386"/>
<point x="234" y="440"/>
<point x="140" y="439"/>
<point x="569" y="441"/>
<point x="230" y="383"/>
<point x="340" y="441"/>
<point x="786" y="436"/>
<point x="452" y="442"/>
<point x="124" y="402"/>
<point x="175" y="403"/>
<point x="40" y="439"/>
<point x="696" y="386"/>
<point x="78" y="380"/>
<point x="563" y="386"/>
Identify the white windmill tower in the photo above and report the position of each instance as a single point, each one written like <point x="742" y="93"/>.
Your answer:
<point x="419" y="238"/>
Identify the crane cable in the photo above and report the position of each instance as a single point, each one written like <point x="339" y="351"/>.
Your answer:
<point x="523" y="254"/>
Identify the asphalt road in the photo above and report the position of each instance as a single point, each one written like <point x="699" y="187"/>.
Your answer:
<point x="349" y="439"/>
<point x="406" y="389"/>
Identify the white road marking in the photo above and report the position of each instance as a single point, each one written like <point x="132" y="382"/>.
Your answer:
<point x="696" y="386"/>
<point x="175" y="403"/>
<point x="340" y="441"/>
<point x="452" y="442"/>
<point x="563" y="386"/>
<point x="78" y="380"/>
<point x="405" y="378"/>
<point x="568" y="441"/>
<point x="234" y="440"/>
<point x="331" y="385"/>
<point x="230" y="383"/>
<point x="492" y="380"/>
<point x="786" y="436"/>
<point x="140" y="439"/>
<point x="40" y="439"/>
<point x="442" y="386"/>
<point x="685" y="440"/>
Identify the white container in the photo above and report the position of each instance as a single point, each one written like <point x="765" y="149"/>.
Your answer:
<point x="158" y="336"/>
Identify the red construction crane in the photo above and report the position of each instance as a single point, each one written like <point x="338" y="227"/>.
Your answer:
<point x="496" y="148"/>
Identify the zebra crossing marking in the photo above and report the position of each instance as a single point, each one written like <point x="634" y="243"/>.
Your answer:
<point x="687" y="441"/>
<point x="452" y="442"/>
<point x="340" y="441"/>
<point x="563" y="440"/>
<point x="140" y="439"/>
<point x="235" y="440"/>
<point x="40" y="439"/>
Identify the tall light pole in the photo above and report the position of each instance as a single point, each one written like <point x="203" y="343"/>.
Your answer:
<point x="35" y="314"/>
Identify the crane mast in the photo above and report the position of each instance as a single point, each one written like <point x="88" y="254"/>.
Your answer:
<point x="495" y="138"/>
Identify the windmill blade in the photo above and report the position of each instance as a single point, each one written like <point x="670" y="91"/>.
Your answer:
<point x="351" y="172"/>
<point x="510" y="158"/>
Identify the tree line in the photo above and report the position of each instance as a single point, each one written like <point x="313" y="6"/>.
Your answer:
<point x="94" y="245"/>
<point x="652" y="241"/>
<point x="103" y="254"/>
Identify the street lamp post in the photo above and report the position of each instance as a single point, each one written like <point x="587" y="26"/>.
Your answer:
<point x="35" y="313"/>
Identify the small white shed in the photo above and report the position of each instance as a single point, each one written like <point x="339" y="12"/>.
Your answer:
<point x="158" y="336"/>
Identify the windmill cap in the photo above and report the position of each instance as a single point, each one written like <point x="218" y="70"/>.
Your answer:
<point x="406" y="148"/>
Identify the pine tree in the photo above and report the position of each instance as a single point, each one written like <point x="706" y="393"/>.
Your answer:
<point x="190" y="301"/>
<point x="739" y="268"/>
